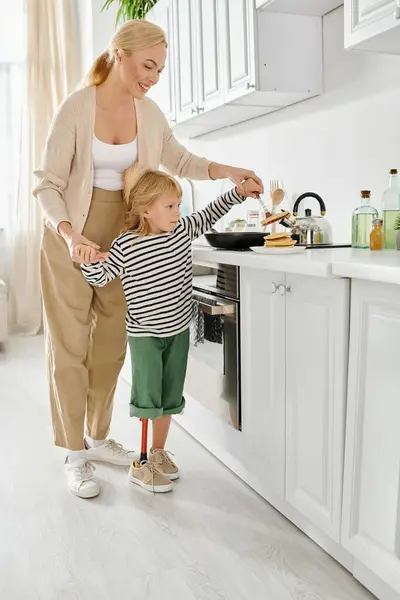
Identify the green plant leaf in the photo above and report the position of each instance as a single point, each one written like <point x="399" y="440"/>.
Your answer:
<point x="121" y="15"/>
<point x="130" y="9"/>
<point x="107" y="4"/>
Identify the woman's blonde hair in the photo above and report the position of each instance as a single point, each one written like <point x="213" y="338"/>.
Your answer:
<point x="133" y="35"/>
<point x="148" y="187"/>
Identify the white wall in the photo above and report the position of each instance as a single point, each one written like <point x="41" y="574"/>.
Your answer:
<point x="336" y="145"/>
<point x="96" y="29"/>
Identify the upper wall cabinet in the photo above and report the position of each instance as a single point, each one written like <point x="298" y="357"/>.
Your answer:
<point x="208" y="35"/>
<point x="232" y="62"/>
<point x="372" y="25"/>
<point x="318" y="8"/>
<point x="183" y="52"/>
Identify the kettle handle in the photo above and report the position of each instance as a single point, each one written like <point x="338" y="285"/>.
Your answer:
<point x="309" y="195"/>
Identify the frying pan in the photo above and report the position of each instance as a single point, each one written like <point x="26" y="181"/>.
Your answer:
<point x="235" y="240"/>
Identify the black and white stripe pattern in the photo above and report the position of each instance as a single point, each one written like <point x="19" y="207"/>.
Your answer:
<point x="156" y="271"/>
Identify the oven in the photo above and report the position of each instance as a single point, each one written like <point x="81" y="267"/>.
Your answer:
<point x="213" y="374"/>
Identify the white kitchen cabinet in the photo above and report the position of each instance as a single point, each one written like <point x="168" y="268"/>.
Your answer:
<point x="233" y="63"/>
<point x="263" y="375"/>
<point x="164" y="92"/>
<point x="317" y="321"/>
<point x="239" y="46"/>
<point x="209" y="52"/>
<point x="371" y="499"/>
<point x="318" y="8"/>
<point x="372" y="25"/>
<point x="184" y="58"/>
<point x="294" y="382"/>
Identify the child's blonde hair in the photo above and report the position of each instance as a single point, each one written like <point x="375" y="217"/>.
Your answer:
<point x="148" y="187"/>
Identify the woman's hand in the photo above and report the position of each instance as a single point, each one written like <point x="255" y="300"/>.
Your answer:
<point x="86" y="254"/>
<point x="235" y="174"/>
<point x="81" y="250"/>
<point x="250" y="188"/>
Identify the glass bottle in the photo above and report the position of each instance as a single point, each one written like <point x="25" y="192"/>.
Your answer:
<point x="391" y="209"/>
<point x="362" y="222"/>
<point x="376" y="236"/>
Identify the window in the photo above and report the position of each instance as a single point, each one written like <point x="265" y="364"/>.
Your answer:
<point x="12" y="50"/>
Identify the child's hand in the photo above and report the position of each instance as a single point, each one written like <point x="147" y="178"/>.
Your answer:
<point x="89" y="255"/>
<point x="251" y="188"/>
<point x="102" y="256"/>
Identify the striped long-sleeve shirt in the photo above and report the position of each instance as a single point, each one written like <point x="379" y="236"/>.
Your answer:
<point x="156" y="271"/>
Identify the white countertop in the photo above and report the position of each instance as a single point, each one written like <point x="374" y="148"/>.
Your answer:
<point x="382" y="266"/>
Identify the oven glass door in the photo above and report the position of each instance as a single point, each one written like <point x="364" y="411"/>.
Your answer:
<point x="213" y="366"/>
<point x="222" y="280"/>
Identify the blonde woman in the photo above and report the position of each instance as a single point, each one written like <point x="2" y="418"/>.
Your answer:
<point x="100" y="138"/>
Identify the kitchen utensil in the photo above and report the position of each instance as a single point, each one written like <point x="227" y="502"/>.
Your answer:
<point x="277" y="196"/>
<point x="279" y="251"/>
<point x="311" y="229"/>
<point x="266" y="212"/>
<point x="273" y="185"/>
<point x="262" y="203"/>
<point x="235" y="240"/>
<point x="275" y="218"/>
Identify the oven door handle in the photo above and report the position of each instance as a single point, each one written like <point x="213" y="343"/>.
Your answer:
<point x="222" y="308"/>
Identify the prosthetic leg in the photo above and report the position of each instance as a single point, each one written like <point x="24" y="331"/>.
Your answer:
<point x="143" y="449"/>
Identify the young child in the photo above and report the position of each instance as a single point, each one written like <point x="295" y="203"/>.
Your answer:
<point x="153" y="258"/>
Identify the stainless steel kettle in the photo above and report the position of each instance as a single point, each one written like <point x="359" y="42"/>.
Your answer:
<point x="311" y="230"/>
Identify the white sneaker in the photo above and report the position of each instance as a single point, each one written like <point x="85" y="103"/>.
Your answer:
<point x="80" y="478"/>
<point x="111" y="452"/>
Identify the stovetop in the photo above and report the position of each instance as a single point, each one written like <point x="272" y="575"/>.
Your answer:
<point x="322" y="246"/>
<point x="311" y="247"/>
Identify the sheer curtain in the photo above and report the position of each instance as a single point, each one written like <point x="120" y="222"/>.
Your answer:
<point x="52" y="71"/>
<point x="11" y="68"/>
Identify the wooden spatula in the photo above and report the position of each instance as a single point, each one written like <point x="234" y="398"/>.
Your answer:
<point x="277" y="197"/>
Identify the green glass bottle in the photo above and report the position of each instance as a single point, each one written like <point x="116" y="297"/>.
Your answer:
<point x="362" y="223"/>
<point x="391" y="209"/>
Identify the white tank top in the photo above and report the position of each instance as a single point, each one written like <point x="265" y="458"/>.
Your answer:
<point x="110" y="161"/>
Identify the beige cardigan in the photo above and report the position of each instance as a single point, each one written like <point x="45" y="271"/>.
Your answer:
<point x="66" y="175"/>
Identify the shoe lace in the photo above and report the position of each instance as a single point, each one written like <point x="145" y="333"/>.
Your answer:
<point x="117" y="448"/>
<point x="163" y="456"/>
<point x="85" y="470"/>
<point x="153" y="470"/>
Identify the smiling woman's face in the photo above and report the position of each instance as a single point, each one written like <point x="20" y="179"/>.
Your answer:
<point x="140" y="71"/>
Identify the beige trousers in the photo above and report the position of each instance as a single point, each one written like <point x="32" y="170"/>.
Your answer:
<point x="84" y="328"/>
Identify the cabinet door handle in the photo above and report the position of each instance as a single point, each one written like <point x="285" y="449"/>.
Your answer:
<point x="274" y="287"/>
<point x="200" y="109"/>
<point x="251" y="86"/>
<point x="284" y="289"/>
<point x="194" y="111"/>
